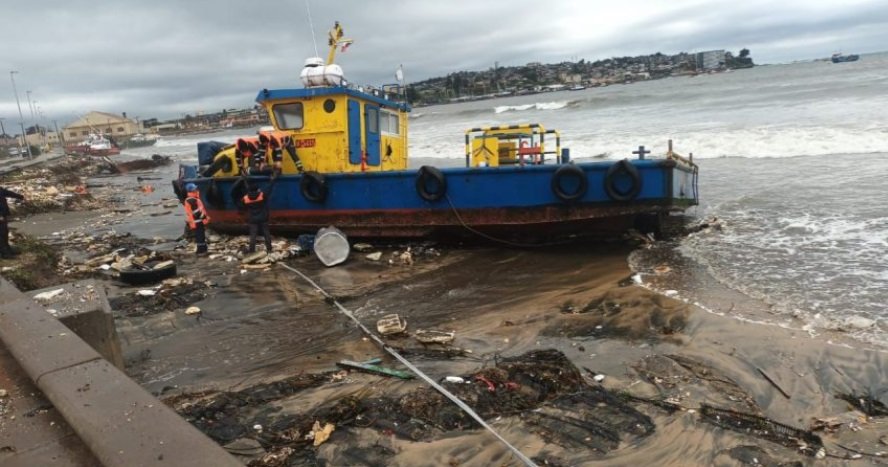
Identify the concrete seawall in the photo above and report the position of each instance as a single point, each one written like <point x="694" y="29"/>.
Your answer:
<point x="118" y="422"/>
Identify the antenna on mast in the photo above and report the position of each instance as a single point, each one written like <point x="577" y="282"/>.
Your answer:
<point x="311" y="26"/>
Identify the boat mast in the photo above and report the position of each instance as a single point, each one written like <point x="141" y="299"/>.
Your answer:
<point x="336" y="40"/>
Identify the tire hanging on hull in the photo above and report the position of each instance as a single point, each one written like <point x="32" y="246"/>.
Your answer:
<point x="430" y="183"/>
<point x="565" y="172"/>
<point x="620" y="169"/>
<point x="313" y="187"/>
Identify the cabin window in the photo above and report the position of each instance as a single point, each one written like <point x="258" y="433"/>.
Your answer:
<point x="373" y="121"/>
<point x="120" y="129"/>
<point x="289" y="116"/>
<point x="84" y="133"/>
<point x="73" y="134"/>
<point x="389" y="123"/>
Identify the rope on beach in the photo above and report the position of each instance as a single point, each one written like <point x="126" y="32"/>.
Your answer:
<point x="495" y="239"/>
<point x="345" y="311"/>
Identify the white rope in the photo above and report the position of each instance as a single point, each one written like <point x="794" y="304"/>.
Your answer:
<point x="526" y="460"/>
<point x="314" y="40"/>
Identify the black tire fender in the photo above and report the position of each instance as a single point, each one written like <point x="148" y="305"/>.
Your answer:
<point x="569" y="170"/>
<point x="622" y="167"/>
<point x="431" y="174"/>
<point x="313" y="187"/>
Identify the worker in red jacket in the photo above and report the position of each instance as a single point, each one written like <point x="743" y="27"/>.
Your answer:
<point x="197" y="217"/>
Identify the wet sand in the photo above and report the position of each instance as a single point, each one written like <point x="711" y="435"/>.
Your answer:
<point x="576" y="299"/>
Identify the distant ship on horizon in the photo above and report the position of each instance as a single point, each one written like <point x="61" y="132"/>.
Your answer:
<point x="839" y="58"/>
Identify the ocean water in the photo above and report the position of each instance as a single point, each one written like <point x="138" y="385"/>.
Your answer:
<point x="793" y="159"/>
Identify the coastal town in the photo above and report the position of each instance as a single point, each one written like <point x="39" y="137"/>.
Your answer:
<point x="537" y="77"/>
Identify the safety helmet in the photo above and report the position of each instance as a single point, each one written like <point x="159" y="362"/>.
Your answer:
<point x="191" y="187"/>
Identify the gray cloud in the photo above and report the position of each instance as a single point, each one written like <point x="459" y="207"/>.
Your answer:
<point x="166" y="58"/>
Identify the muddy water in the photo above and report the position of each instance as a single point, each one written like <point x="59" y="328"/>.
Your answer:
<point x="265" y="324"/>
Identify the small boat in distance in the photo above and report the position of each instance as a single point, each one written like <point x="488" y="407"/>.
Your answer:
<point x="576" y="87"/>
<point x="139" y="140"/>
<point x="840" y="58"/>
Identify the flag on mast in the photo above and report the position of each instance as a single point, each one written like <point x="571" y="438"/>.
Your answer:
<point x="399" y="74"/>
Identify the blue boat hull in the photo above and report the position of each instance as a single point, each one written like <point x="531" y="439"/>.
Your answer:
<point x="503" y="201"/>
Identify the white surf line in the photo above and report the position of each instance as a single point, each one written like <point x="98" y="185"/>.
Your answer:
<point x="526" y="460"/>
<point x="807" y="328"/>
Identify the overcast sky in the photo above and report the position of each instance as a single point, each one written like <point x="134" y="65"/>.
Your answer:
<point x="165" y="58"/>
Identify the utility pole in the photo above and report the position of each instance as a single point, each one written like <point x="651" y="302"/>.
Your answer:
<point x="2" y="130"/>
<point x="30" y="106"/>
<point x="21" y="117"/>
<point x="60" y="137"/>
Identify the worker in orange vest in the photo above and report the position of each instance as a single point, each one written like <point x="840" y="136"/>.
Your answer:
<point x="197" y="217"/>
<point x="255" y="202"/>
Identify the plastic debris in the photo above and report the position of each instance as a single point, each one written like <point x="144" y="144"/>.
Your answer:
<point x="375" y="369"/>
<point x="47" y="297"/>
<point x="598" y="378"/>
<point x="454" y="379"/>
<point x="253" y="257"/>
<point x="391" y="324"/>
<point x="257" y="427"/>
<point x="434" y="337"/>
<point x="376" y="256"/>
<point x="146" y="293"/>
<point x="362" y="247"/>
<point x="331" y="246"/>
<point x="320" y="435"/>
<point x="192" y="310"/>
<point x="406" y="257"/>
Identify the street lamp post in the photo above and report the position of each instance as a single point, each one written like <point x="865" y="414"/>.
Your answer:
<point x="2" y="130"/>
<point x="21" y="117"/>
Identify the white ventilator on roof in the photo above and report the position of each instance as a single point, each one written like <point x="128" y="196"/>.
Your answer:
<point x="316" y="73"/>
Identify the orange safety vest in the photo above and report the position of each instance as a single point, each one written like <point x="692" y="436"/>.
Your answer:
<point x="258" y="199"/>
<point x="195" y="213"/>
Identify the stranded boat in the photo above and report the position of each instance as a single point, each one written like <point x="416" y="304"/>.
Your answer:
<point x="94" y="145"/>
<point x="341" y="155"/>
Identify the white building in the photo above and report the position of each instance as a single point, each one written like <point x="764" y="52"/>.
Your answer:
<point x="711" y="60"/>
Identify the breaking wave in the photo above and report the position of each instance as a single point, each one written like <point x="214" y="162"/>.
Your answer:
<point x="536" y="106"/>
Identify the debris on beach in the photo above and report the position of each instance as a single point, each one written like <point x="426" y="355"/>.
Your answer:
<point x="869" y="405"/>
<point x="170" y="295"/>
<point x="331" y="246"/>
<point x="624" y="312"/>
<point x="391" y="324"/>
<point x="375" y="369"/>
<point x="375" y="256"/>
<point x="434" y="337"/>
<point x="541" y="389"/>
<point x="764" y="428"/>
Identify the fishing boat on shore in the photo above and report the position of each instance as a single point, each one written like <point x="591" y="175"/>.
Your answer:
<point x="338" y="156"/>
<point x="95" y="144"/>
